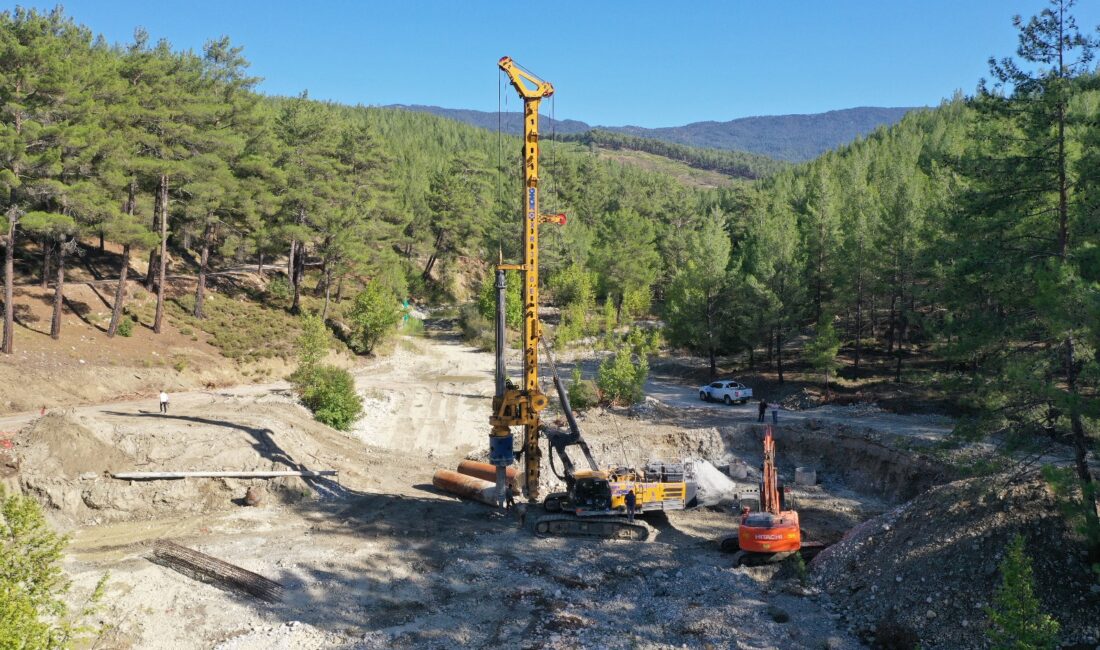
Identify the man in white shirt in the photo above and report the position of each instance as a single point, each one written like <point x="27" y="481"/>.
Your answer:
<point x="163" y="402"/>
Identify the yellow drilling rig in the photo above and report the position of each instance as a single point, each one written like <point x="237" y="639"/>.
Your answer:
<point x="595" y="499"/>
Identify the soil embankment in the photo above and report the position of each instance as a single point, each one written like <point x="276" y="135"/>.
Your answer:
<point x="927" y="569"/>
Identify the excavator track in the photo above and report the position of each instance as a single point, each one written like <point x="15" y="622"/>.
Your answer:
<point x="590" y="527"/>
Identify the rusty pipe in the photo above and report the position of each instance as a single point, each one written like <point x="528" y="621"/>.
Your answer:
<point x="487" y="472"/>
<point x="467" y="487"/>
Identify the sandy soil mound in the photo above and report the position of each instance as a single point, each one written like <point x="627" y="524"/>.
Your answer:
<point x="65" y="459"/>
<point x="66" y="466"/>
<point x="60" y="447"/>
<point x="931" y="566"/>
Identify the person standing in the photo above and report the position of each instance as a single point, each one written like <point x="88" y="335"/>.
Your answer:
<point x="763" y="410"/>
<point x="631" y="501"/>
<point x="775" y="412"/>
<point x="163" y="402"/>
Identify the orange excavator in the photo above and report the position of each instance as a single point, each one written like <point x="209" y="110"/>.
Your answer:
<point x="771" y="533"/>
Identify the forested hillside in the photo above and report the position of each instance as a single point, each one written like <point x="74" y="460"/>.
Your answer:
<point x="736" y="164"/>
<point x="508" y="121"/>
<point x="792" y="138"/>
<point x="172" y="156"/>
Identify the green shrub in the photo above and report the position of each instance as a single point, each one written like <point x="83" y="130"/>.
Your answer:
<point x="621" y="380"/>
<point x="477" y="330"/>
<point x="240" y="329"/>
<point x="1075" y="500"/>
<point x="412" y="327"/>
<point x="513" y="299"/>
<point x="1015" y="620"/>
<point x="608" y="318"/>
<point x="573" y="326"/>
<point x="125" y="326"/>
<point x="186" y="331"/>
<point x="329" y="392"/>
<point x="574" y="286"/>
<point x="636" y="303"/>
<point x="583" y="393"/>
<point x="643" y="342"/>
<point x="312" y="343"/>
<point x="278" y="290"/>
<point x="33" y="614"/>
<point x="374" y="316"/>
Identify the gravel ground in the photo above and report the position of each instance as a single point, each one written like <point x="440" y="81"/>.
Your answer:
<point x="385" y="561"/>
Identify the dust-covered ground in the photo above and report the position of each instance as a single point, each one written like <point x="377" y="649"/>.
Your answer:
<point x="379" y="559"/>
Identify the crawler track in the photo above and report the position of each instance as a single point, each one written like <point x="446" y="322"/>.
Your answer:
<point x="590" y="527"/>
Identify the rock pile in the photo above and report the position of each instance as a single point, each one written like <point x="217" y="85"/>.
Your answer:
<point x="930" y="567"/>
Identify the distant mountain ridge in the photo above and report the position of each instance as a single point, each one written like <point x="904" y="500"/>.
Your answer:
<point x="793" y="138"/>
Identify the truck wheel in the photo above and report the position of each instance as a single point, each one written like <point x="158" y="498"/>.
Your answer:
<point x="727" y="400"/>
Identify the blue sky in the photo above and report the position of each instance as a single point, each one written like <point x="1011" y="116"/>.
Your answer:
<point x="644" y="63"/>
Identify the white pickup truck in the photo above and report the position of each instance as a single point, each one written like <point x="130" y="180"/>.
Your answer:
<point x="726" y="390"/>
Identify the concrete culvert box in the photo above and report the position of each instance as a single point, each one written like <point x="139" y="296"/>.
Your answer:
<point x="738" y="469"/>
<point x="805" y="476"/>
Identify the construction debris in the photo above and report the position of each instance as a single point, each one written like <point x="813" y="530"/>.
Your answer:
<point x="209" y="569"/>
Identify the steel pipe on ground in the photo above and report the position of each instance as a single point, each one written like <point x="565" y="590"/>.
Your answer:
<point x="467" y="487"/>
<point x="487" y="472"/>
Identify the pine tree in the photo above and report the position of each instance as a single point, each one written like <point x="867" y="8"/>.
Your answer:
<point x="627" y="255"/>
<point x="698" y="292"/>
<point x="819" y="226"/>
<point x="308" y="163"/>
<point x="213" y="187"/>
<point x="1016" y="621"/>
<point x="456" y="200"/>
<point x="1018" y="274"/>
<point x="822" y="350"/>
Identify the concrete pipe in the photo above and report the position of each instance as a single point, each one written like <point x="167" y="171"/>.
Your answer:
<point x="466" y="487"/>
<point x="487" y="472"/>
<point x="805" y="476"/>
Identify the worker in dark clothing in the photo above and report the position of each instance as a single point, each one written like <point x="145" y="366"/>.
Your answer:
<point x="631" y="501"/>
<point x="763" y="410"/>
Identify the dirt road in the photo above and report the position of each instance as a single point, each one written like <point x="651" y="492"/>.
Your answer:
<point x="924" y="427"/>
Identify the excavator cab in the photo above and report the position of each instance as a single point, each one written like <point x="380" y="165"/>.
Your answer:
<point x="592" y="494"/>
